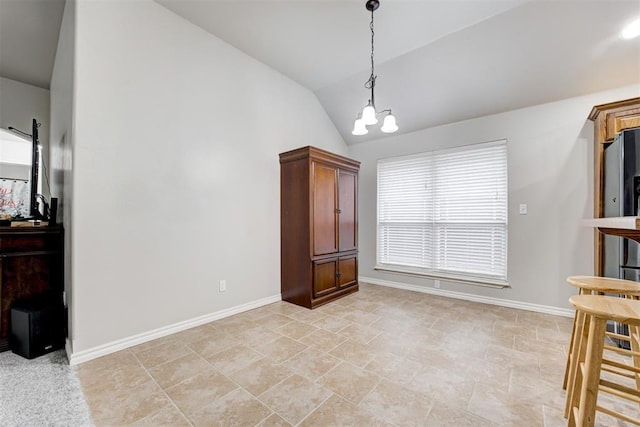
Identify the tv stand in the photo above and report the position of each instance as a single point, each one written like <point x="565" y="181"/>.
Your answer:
<point x="31" y="263"/>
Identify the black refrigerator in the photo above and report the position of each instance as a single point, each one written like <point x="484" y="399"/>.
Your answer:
<point x="621" y="197"/>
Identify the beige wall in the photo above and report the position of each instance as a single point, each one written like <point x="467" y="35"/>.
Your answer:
<point x="550" y="164"/>
<point x="61" y="137"/>
<point x="175" y="171"/>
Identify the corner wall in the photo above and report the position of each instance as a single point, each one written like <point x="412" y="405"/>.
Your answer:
<point x="175" y="171"/>
<point x="61" y="137"/>
<point x="550" y="163"/>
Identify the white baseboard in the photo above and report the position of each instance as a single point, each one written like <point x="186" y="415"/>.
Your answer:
<point x="102" y="350"/>
<point x="565" y="312"/>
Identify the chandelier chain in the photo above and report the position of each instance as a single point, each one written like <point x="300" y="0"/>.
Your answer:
<point x="372" y="34"/>
<point x="372" y="78"/>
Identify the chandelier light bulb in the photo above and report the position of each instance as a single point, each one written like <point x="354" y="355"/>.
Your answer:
<point x="369" y="115"/>
<point x="389" y="124"/>
<point x="359" y="128"/>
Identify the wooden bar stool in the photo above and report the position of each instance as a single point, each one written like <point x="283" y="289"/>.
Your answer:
<point x="595" y="285"/>
<point x="593" y="312"/>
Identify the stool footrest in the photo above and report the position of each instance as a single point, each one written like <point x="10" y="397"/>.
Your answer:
<point x="622" y="351"/>
<point x="615" y="414"/>
<point x="620" y="391"/>
<point x="617" y="372"/>
<point x="621" y="366"/>
<point x="618" y="336"/>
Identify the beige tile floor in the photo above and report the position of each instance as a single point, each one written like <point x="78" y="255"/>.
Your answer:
<point x="380" y="357"/>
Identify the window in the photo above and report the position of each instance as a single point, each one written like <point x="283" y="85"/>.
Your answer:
<point x="15" y="164"/>
<point x="444" y="213"/>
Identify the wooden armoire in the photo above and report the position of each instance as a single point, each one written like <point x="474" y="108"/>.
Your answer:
<point x="318" y="226"/>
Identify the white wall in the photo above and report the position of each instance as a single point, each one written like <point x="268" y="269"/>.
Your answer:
<point x="20" y="103"/>
<point x="550" y="160"/>
<point x="61" y="137"/>
<point x="176" y="173"/>
<point x="12" y="170"/>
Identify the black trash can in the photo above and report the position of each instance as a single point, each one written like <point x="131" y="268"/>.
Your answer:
<point x="37" y="326"/>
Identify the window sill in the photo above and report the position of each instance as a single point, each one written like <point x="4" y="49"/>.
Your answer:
<point x="488" y="283"/>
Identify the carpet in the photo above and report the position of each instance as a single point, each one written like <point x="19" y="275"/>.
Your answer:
<point x="40" y="392"/>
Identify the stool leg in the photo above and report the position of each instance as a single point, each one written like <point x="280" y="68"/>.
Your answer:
<point x="593" y="365"/>
<point x="634" y="336"/>
<point x="578" y="352"/>
<point x="570" y="349"/>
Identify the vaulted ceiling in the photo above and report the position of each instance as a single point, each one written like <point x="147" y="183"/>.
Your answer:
<point x="28" y="39"/>
<point x="437" y="61"/>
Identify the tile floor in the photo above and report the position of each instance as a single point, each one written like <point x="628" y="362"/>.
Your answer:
<point x="380" y="357"/>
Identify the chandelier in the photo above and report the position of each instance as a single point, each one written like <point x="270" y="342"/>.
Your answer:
<point x="369" y="113"/>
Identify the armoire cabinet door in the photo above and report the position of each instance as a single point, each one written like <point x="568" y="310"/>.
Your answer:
<point x="325" y="273"/>
<point x="347" y="210"/>
<point x="347" y="271"/>
<point x="325" y="209"/>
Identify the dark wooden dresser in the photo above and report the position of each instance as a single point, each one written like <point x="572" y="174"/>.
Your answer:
<point x="318" y="226"/>
<point x="31" y="263"/>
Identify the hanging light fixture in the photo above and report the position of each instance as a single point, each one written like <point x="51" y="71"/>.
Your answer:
<point x="368" y="115"/>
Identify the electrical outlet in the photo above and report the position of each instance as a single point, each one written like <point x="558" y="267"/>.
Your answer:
<point x="436" y="284"/>
<point x="223" y="285"/>
<point x="523" y="209"/>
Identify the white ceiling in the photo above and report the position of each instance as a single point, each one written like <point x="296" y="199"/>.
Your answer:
<point x="533" y="54"/>
<point x="28" y="39"/>
<point x="437" y="61"/>
<point x="321" y="42"/>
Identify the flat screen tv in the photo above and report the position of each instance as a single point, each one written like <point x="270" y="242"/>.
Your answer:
<point x="34" y="212"/>
<point x="35" y="169"/>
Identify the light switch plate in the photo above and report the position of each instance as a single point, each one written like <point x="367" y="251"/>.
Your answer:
<point x="523" y="209"/>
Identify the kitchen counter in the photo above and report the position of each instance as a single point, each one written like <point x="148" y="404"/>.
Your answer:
<point x="625" y="226"/>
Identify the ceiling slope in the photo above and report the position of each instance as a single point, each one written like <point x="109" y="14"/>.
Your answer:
<point x="437" y="61"/>
<point x="320" y="42"/>
<point x="28" y="39"/>
<point x="537" y="53"/>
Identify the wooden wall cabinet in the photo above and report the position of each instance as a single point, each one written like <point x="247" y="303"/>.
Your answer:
<point x="609" y="120"/>
<point x="318" y="226"/>
<point x="31" y="263"/>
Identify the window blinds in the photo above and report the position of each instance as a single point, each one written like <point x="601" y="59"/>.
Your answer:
<point x="445" y="211"/>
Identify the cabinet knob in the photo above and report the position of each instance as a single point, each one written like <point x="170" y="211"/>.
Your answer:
<point x="338" y="275"/>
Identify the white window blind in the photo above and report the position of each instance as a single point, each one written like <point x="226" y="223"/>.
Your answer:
<point x="445" y="212"/>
